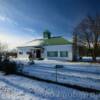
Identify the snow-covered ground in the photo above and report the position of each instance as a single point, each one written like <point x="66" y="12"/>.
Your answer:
<point x="14" y="87"/>
<point x="82" y="74"/>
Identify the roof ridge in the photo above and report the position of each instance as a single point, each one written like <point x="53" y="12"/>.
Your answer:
<point x="56" y="37"/>
<point x="43" y="39"/>
<point x="34" y="40"/>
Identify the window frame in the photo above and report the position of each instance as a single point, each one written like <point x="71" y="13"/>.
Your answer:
<point x="52" y="54"/>
<point x="63" y="53"/>
<point x="20" y="53"/>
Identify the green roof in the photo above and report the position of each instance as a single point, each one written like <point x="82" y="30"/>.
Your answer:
<point x="56" y="41"/>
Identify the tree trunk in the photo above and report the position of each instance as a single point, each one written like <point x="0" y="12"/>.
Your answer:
<point x="94" y="58"/>
<point x="74" y="50"/>
<point x="94" y="55"/>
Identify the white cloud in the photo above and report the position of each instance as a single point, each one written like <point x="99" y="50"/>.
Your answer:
<point x="2" y="18"/>
<point x="30" y="30"/>
<point x="14" y="40"/>
<point x="7" y="19"/>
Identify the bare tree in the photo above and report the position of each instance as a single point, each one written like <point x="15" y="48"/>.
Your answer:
<point x="3" y="47"/>
<point x="88" y="34"/>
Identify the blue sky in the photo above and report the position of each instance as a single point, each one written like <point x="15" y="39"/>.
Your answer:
<point x="24" y="20"/>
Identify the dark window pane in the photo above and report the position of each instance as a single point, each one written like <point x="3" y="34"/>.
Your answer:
<point x="63" y="54"/>
<point x="20" y="53"/>
<point x="52" y="54"/>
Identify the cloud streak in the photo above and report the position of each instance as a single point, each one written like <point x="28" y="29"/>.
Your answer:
<point x="13" y="40"/>
<point x="7" y="20"/>
<point x="30" y="30"/>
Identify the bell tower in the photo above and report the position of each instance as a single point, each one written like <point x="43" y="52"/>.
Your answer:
<point x="46" y="34"/>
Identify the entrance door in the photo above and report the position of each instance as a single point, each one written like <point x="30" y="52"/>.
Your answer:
<point x="38" y="53"/>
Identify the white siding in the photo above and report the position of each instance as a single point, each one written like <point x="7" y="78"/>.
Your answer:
<point x="24" y="50"/>
<point x="59" y="48"/>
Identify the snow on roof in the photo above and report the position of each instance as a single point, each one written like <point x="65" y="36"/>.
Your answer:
<point x="36" y="42"/>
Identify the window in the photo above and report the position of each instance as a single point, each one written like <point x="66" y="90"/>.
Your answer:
<point x="20" y="53"/>
<point x="28" y="52"/>
<point x="52" y="54"/>
<point x="63" y="54"/>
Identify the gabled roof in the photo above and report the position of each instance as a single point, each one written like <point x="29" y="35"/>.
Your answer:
<point x="52" y="41"/>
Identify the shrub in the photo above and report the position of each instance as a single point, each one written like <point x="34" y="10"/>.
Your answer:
<point x="31" y="63"/>
<point x="0" y="58"/>
<point x="9" y="67"/>
<point x="40" y="59"/>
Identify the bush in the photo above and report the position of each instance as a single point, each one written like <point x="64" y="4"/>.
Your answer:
<point x="0" y="58"/>
<point x="9" y="67"/>
<point x="31" y="63"/>
<point x="40" y="59"/>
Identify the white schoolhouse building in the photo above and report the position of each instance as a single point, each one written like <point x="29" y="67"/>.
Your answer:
<point x="55" y="48"/>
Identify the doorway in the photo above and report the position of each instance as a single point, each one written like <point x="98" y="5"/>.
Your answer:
<point x="38" y="53"/>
